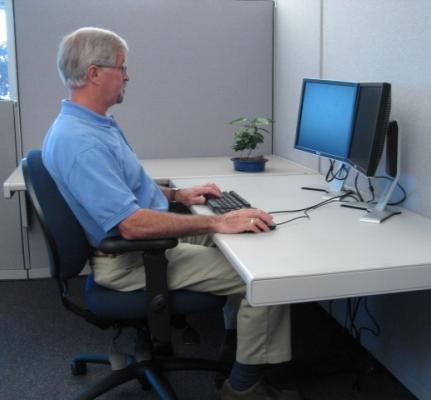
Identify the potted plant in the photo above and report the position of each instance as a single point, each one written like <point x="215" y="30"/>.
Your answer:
<point x="247" y="136"/>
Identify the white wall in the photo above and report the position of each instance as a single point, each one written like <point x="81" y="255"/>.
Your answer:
<point x="296" y="55"/>
<point x="369" y="40"/>
<point x="389" y="41"/>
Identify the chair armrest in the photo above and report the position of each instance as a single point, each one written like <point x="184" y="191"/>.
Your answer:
<point x="117" y="244"/>
<point x="155" y="262"/>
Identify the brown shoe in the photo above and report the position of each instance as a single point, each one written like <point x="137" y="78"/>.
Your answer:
<point x="258" y="391"/>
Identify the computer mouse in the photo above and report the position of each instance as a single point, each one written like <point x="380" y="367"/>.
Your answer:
<point x="271" y="228"/>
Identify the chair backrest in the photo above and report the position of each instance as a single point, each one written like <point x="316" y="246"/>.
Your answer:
<point x="67" y="244"/>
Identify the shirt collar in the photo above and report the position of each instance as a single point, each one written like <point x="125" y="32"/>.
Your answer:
<point x="68" y="107"/>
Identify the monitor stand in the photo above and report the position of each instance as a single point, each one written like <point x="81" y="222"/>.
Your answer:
<point x="381" y="211"/>
<point x="335" y="188"/>
<point x="376" y="212"/>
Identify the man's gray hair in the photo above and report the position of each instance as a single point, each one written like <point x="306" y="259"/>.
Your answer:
<point x="84" y="47"/>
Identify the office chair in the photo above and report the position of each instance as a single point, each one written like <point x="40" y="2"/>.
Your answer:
<point x="149" y="311"/>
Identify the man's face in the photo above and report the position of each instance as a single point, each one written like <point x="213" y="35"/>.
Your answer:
<point x="115" y="79"/>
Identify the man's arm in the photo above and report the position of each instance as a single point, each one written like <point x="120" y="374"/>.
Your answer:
<point x="146" y="224"/>
<point x="191" y="196"/>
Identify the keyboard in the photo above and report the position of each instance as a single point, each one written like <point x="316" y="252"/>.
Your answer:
<point x="228" y="202"/>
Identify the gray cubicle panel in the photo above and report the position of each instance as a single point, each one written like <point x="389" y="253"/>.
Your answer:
<point x="11" y="245"/>
<point x="194" y="66"/>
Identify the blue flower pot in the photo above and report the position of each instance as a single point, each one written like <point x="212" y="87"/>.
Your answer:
<point x="249" y="165"/>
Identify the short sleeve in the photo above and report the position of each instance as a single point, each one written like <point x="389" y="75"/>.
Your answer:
<point x="97" y="183"/>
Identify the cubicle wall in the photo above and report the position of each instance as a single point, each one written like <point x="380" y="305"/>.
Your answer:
<point x="194" y="65"/>
<point x="11" y="244"/>
<point x="366" y="40"/>
<point x="297" y="41"/>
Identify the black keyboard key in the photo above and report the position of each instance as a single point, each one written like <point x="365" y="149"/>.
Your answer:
<point x="240" y="199"/>
<point x="228" y="202"/>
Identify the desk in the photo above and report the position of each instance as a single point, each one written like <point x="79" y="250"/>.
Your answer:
<point x="163" y="170"/>
<point x="332" y="255"/>
<point x="160" y="169"/>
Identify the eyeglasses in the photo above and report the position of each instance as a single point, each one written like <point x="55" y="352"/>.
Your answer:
<point x="122" y="68"/>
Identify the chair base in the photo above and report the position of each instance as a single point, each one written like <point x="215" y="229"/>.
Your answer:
<point x="148" y="373"/>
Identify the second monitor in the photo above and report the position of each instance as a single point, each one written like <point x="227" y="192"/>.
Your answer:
<point x="326" y="118"/>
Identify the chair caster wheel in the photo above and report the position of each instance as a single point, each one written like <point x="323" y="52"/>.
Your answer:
<point x="78" y="368"/>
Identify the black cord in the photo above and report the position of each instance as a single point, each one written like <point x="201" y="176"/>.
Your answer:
<point x="354" y="330"/>
<point x="294" y="219"/>
<point x="352" y="310"/>
<point x="371" y="189"/>
<point x="314" y="206"/>
<point x="358" y="192"/>
<point x="375" y="332"/>
<point x="329" y="177"/>
<point x="399" y="186"/>
<point x="340" y="175"/>
<point x="353" y="196"/>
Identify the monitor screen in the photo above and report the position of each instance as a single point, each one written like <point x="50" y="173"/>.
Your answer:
<point x="371" y="124"/>
<point x="326" y="118"/>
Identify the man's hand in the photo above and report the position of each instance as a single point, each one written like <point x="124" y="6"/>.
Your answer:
<point x="196" y="195"/>
<point x="245" y="220"/>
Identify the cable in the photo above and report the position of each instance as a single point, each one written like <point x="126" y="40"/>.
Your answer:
<point x="371" y="189"/>
<point x="305" y="210"/>
<point x="293" y="219"/>
<point x="378" y="330"/>
<point x="399" y="186"/>
<point x="352" y="310"/>
<point x="330" y="175"/>
<point x="314" y="206"/>
<point x="358" y="192"/>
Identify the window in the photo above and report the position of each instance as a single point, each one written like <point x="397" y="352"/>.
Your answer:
<point x="4" y="73"/>
<point x="7" y="52"/>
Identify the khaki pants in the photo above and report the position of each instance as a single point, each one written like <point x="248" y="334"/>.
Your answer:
<point x="263" y="332"/>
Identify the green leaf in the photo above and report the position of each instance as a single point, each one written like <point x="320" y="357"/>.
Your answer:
<point x="250" y="134"/>
<point x="262" y="121"/>
<point x="241" y="120"/>
<point x="259" y="137"/>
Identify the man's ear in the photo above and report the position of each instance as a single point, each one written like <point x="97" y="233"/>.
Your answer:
<point x="93" y="74"/>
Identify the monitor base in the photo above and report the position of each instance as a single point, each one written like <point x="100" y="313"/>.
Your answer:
<point x="378" y="216"/>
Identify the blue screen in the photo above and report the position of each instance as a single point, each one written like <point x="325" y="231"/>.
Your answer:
<point x="326" y="118"/>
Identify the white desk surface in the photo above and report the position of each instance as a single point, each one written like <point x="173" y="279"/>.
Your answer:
<point x="163" y="170"/>
<point x="332" y="255"/>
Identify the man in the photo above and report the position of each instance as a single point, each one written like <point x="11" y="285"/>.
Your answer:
<point x="103" y="182"/>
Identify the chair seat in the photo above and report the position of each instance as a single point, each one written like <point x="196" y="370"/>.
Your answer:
<point x="121" y="306"/>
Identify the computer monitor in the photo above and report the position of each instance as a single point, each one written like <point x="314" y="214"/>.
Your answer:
<point x="326" y="118"/>
<point x="370" y="127"/>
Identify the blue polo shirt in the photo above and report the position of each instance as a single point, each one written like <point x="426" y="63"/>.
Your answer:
<point x="96" y="171"/>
